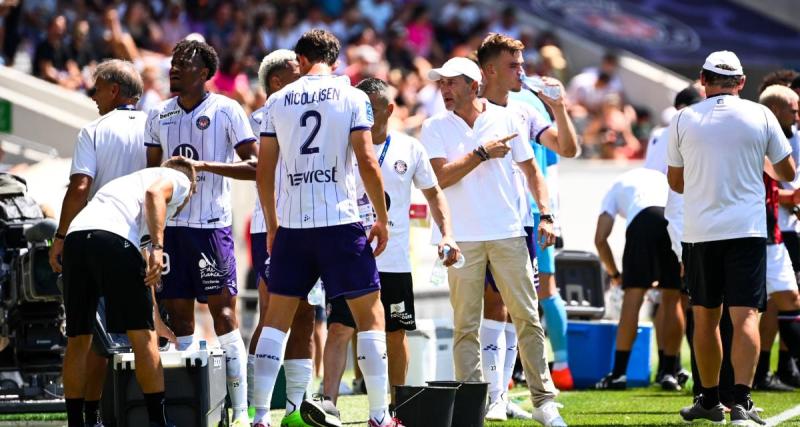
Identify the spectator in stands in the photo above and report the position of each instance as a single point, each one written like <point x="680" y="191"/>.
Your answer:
<point x="81" y="48"/>
<point x="288" y="31"/>
<point x="231" y="81"/>
<point x="507" y="24"/>
<point x="420" y="31"/>
<point x="398" y="53"/>
<point x="589" y="89"/>
<point x="174" y="26"/>
<point x="52" y="60"/>
<point x="221" y="27"/>
<point x="609" y="134"/>
<point x="139" y="24"/>
<point x="377" y="12"/>
<point x="152" y="94"/>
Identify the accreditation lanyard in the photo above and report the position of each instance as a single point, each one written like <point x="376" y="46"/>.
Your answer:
<point x="385" y="149"/>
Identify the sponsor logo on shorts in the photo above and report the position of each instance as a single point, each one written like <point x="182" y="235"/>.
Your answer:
<point x="210" y="273"/>
<point x="400" y="307"/>
<point x="203" y="122"/>
<point x="400" y="167"/>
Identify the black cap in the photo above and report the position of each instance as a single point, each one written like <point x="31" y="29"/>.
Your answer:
<point x="686" y="97"/>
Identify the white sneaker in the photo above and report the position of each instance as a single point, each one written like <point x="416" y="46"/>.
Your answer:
<point x="547" y="414"/>
<point x="513" y="411"/>
<point x="497" y="411"/>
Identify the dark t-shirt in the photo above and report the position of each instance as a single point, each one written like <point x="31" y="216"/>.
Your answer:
<point x="58" y="55"/>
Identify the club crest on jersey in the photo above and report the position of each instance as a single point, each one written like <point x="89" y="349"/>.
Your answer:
<point x="203" y="122"/>
<point x="400" y="167"/>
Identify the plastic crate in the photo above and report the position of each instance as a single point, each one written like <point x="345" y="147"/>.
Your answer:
<point x="579" y="277"/>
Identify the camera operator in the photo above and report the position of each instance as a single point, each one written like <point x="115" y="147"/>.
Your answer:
<point x="102" y="258"/>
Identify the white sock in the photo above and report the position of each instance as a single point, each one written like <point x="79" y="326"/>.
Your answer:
<point x="373" y="363"/>
<point x="251" y="372"/>
<point x="269" y="355"/>
<point x="184" y="342"/>
<point x="298" y="376"/>
<point x="236" y="364"/>
<point x="511" y="354"/>
<point x="492" y="350"/>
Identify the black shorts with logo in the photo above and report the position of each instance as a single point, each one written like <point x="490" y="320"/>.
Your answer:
<point x="648" y="255"/>
<point x="99" y="263"/>
<point x="397" y="296"/>
<point x="733" y="271"/>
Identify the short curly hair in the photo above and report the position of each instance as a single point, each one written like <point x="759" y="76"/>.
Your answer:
<point x="186" y="49"/>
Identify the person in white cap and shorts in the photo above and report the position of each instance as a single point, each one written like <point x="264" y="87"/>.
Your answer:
<point x="715" y="158"/>
<point x="472" y="148"/>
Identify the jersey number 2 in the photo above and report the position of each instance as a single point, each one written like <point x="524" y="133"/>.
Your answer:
<point x="305" y="148"/>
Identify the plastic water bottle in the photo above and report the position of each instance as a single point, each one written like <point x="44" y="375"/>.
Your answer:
<point x="536" y="84"/>
<point x="613" y="297"/>
<point x="317" y="294"/>
<point x="459" y="261"/>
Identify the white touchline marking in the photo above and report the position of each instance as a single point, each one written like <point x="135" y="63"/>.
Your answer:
<point x="783" y="416"/>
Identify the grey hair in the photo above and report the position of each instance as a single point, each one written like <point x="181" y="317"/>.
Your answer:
<point x="276" y="60"/>
<point x="122" y="73"/>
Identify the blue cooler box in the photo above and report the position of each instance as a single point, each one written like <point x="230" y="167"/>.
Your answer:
<point x="591" y="352"/>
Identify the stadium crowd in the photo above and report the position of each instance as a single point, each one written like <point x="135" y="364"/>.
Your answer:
<point x="367" y="70"/>
<point x="398" y="42"/>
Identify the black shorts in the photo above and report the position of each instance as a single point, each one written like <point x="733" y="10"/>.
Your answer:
<point x="98" y="263"/>
<point x="397" y="296"/>
<point x="732" y="271"/>
<point x="792" y="243"/>
<point x="648" y="255"/>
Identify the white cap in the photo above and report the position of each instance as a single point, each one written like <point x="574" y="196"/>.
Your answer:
<point x="458" y="66"/>
<point x="724" y="57"/>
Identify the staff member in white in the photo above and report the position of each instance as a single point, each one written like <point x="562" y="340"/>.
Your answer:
<point x="278" y="69"/>
<point x="716" y="159"/>
<point x="639" y="196"/>
<point x="102" y="258"/>
<point x="107" y="148"/>
<point x="403" y="162"/>
<point x="468" y="147"/>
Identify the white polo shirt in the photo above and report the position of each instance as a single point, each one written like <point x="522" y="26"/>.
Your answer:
<point x="786" y="219"/>
<point x="634" y="191"/>
<point x="656" y="156"/>
<point x="110" y="147"/>
<point x="484" y="203"/>
<point x="403" y="162"/>
<point x="119" y="206"/>
<point x="720" y="143"/>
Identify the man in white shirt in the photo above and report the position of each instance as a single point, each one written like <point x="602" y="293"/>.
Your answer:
<point x="716" y="154"/>
<point x="656" y="154"/>
<point x="318" y="129"/>
<point x="468" y="146"/>
<point x="403" y="163"/>
<point x="278" y="69"/>
<point x="205" y="128"/>
<point x="639" y="196"/>
<point x="107" y="148"/>
<point x="102" y="258"/>
<point x="500" y="58"/>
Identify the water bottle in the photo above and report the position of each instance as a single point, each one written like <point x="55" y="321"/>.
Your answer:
<point x="536" y="84"/>
<point x="614" y="296"/>
<point x="459" y="261"/>
<point x="203" y="345"/>
<point x="439" y="273"/>
<point x="317" y="294"/>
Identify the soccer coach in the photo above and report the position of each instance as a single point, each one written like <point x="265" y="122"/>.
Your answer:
<point x="716" y="159"/>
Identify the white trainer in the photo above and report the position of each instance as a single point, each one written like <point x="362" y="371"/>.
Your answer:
<point x="547" y="414"/>
<point x="497" y="411"/>
<point x="513" y="411"/>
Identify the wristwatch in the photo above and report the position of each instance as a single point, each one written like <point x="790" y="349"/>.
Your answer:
<point x="547" y="218"/>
